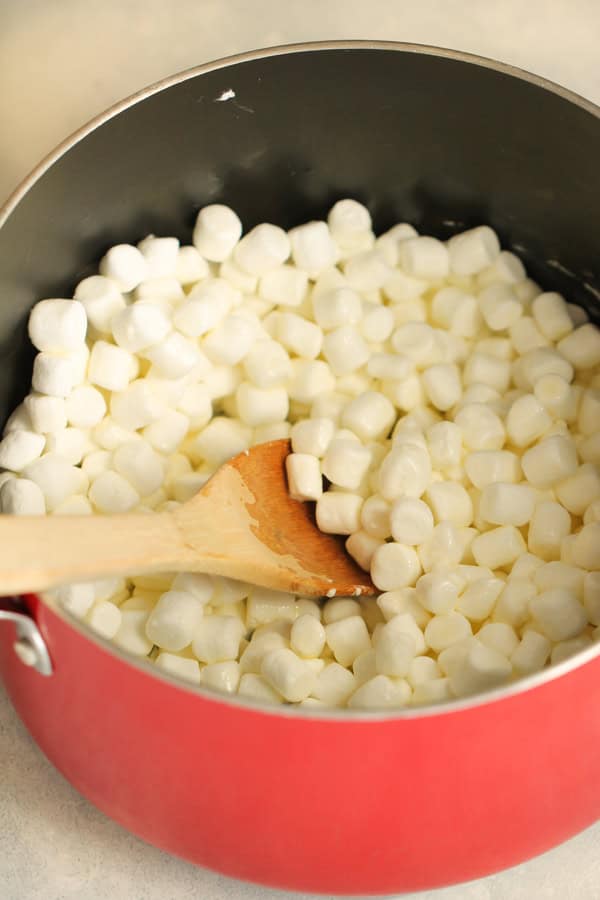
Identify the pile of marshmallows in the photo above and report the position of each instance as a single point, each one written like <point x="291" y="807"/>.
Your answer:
<point x="444" y="414"/>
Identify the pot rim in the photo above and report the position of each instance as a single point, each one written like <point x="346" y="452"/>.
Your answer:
<point x="517" y="687"/>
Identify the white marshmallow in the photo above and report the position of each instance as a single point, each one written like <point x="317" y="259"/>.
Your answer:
<point x="313" y="248"/>
<point x="111" y="367"/>
<point x="85" y="407"/>
<point x="334" y="685"/>
<point x="558" y="614"/>
<point x="345" y="350"/>
<point x="580" y="489"/>
<point x="347" y="638"/>
<point x="19" y="448"/>
<point x="398" y="643"/>
<point x="22" y="497"/>
<point x="346" y="463"/>
<point x="444" y="443"/>
<point x="424" y="257"/>
<point x="223" y="676"/>
<point x="411" y="521"/>
<point x="484" y="368"/>
<point x="221" y="439"/>
<point x="166" y="434"/>
<point x="512" y="606"/>
<point x="284" y="285"/>
<point x="381" y="692"/>
<point x="370" y="416"/>
<point x="341" y="306"/>
<point x="367" y="271"/>
<point x="102" y="300"/>
<point x="304" y="476"/>
<point x="507" y="504"/>
<point x="339" y="513"/>
<point x="54" y="374"/>
<point x="536" y="363"/>
<point x="526" y="336"/>
<point x="278" y="431"/>
<point x="57" y="326"/>
<point x="181" y="667"/>
<point x="582" y="347"/>
<point x="140" y="465"/>
<point x="71" y="444"/>
<point x="591" y="596"/>
<point x="111" y="493"/>
<point x="307" y="637"/>
<point x="482" y="668"/>
<point x="312" y="436"/>
<point x="500" y="306"/>
<point x="173" y="621"/>
<point x="552" y="460"/>
<point x="125" y="265"/>
<point x="361" y="547"/>
<point x="417" y="341"/>
<point x="74" y="506"/>
<point x="394" y="566"/>
<point x="140" y="326"/>
<point x="377" y="323"/>
<point x="176" y="356"/>
<point x="217" y="638"/>
<point x="56" y="478"/>
<point x="138" y="405"/>
<point x="481" y="428"/>
<point x="375" y="517"/>
<point x="471" y="251"/>
<point x="527" y="420"/>
<point x="196" y="404"/>
<point x="551" y="316"/>
<point x="585" y="546"/>
<point x="216" y="232"/>
<point x="532" y="653"/>
<point x="350" y="225"/>
<point x="261" y="406"/>
<point x="485" y="467"/>
<point x="499" y="547"/>
<point x="443" y="386"/>
<point x="160" y="254"/>
<point x="588" y="419"/>
<point x="450" y="502"/>
<point x="549" y="524"/>
<point x="108" y="434"/>
<point x="190" y="266"/>
<point x="310" y="378"/>
<point x="256" y="688"/>
<point x="499" y="636"/>
<point x="264" y="248"/>
<point x="446" y="629"/>
<point x="443" y="550"/>
<point x="478" y="599"/>
<point x="405" y="471"/>
<point x="437" y="592"/>
<point x="298" y="335"/>
<point x="105" y="618"/>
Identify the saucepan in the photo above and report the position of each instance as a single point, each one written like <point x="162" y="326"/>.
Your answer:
<point x="325" y="801"/>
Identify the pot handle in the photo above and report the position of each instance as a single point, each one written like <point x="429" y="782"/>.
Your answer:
<point x="29" y="646"/>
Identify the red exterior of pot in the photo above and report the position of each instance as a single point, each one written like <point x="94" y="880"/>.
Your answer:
<point x="327" y="805"/>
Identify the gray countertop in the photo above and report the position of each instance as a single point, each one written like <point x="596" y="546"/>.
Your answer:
<point x="63" y="61"/>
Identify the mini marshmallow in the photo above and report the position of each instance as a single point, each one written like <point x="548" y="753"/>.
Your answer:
<point x="223" y="676"/>
<point x="278" y="431"/>
<point x="551" y="316"/>
<point x="173" y="621"/>
<point x="56" y="478"/>
<point x="70" y="443"/>
<point x="160" y="254"/>
<point x="111" y="493"/>
<point x="346" y="463"/>
<point x="417" y="341"/>
<point x="206" y="307"/>
<point x="57" y="326"/>
<point x="478" y="599"/>
<point x="216" y="232"/>
<point x="85" y="407"/>
<point x="527" y="420"/>
<point x="367" y="271"/>
<point x="261" y="406"/>
<point x="499" y="636"/>
<point x="405" y="471"/>
<point x="377" y="323"/>
<point x="284" y="285"/>
<point x="334" y="685"/>
<point x="140" y="465"/>
<point x="512" y="605"/>
<point x="579" y="490"/>
<point x="217" y="638"/>
<point x="190" y="266"/>
<point x="537" y="363"/>
<point x="399" y="642"/>
<point x="549" y="524"/>
<point x="481" y="428"/>
<point x="341" y="306"/>
<point x="19" y="448"/>
<point x="182" y="667"/>
<point x="74" y="506"/>
<point x="307" y="637"/>
<point x="591" y="596"/>
<point x="167" y="433"/>
<point x="125" y="265"/>
<point x="484" y="368"/>
<point x="444" y="549"/>
<point x="585" y="546"/>
<point x="424" y="257"/>
<point x="108" y="434"/>
<point x="339" y="513"/>
<point x="444" y="442"/>
<point x="196" y="404"/>
<point x="588" y="419"/>
<point x="22" y="497"/>
<point x="443" y="386"/>
<point x="500" y="306"/>
<point x="411" y="521"/>
<point x="304" y="476"/>
<point x="298" y="335"/>
<point x="381" y="692"/>
<point x="437" y="592"/>
<point x="526" y="336"/>
<point x="582" y="347"/>
<point x="446" y="629"/>
<point x="140" y="326"/>
<point x="350" y="225"/>
<point x="310" y="378"/>
<point x="265" y="247"/>
<point x="54" y="374"/>
<point x="138" y="405"/>
<point x="532" y="653"/>
<point x="110" y="367"/>
<point x="361" y="547"/>
<point x="450" y="502"/>
<point x="552" y="460"/>
<point x="102" y="300"/>
<point x="558" y="614"/>
<point x="312" y="436"/>
<point x="394" y="566"/>
<point x="499" y="547"/>
<point x="471" y="251"/>
<point x="486" y="467"/>
<point x="507" y="504"/>
<point x="313" y="249"/>
<point x="175" y="357"/>
<point x="105" y="618"/>
<point x="347" y="638"/>
<point x="221" y="439"/>
<point x="375" y="517"/>
<point x="482" y="668"/>
<point x="345" y="350"/>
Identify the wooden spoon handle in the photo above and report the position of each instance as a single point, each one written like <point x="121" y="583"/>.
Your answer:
<point x="37" y="552"/>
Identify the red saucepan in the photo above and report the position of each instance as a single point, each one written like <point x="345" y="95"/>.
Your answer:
<point x="331" y="802"/>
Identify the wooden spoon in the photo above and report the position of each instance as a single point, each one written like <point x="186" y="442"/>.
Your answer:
<point x="242" y="524"/>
